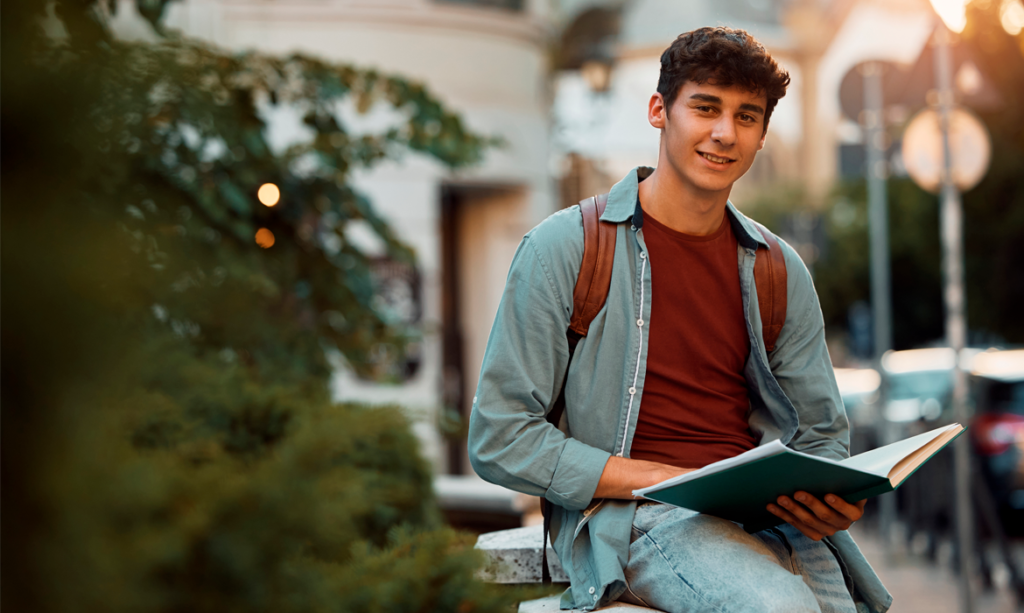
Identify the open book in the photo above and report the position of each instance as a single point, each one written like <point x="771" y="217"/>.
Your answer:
<point x="740" y="488"/>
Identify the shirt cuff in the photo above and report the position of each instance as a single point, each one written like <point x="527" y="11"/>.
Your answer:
<point x="577" y="474"/>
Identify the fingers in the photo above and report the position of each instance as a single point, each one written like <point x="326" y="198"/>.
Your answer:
<point x="814" y="518"/>
<point x="853" y="512"/>
<point x="806" y="517"/>
<point x="791" y="519"/>
<point x="822" y="512"/>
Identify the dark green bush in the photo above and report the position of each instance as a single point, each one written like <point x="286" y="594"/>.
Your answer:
<point x="169" y="443"/>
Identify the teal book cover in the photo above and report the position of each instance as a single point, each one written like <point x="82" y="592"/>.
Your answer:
<point x="740" y="488"/>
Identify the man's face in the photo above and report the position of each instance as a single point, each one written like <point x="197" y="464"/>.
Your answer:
<point x="711" y="134"/>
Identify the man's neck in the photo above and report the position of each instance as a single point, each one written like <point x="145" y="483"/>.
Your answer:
<point x="683" y="209"/>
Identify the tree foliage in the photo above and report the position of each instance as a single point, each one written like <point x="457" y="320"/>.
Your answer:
<point x="169" y="443"/>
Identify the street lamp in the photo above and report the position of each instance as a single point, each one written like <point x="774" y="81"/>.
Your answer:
<point x="954" y="18"/>
<point x="952" y="12"/>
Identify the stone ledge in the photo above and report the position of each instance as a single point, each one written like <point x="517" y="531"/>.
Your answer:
<point x="513" y="556"/>
<point x="550" y="605"/>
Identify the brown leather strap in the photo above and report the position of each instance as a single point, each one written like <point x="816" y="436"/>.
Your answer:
<point x="595" y="274"/>
<point x="770" y="281"/>
<point x="589" y="296"/>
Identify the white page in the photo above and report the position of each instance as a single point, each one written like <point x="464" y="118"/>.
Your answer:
<point x="757" y="453"/>
<point x="880" y="461"/>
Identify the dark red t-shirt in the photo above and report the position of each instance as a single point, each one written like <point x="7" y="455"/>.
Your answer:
<point x="694" y="406"/>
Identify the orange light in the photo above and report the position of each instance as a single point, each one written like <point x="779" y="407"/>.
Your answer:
<point x="269" y="194"/>
<point x="265" y="238"/>
<point x="1011" y="15"/>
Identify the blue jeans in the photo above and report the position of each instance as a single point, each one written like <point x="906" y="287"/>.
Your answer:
<point x="680" y="560"/>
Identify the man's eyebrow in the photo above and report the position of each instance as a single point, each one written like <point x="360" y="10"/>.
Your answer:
<point x="706" y="98"/>
<point x="746" y="106"/>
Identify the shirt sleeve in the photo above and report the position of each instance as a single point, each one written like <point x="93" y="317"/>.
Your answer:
<point x="803" y="369"/>
<point x="510" y="441"/>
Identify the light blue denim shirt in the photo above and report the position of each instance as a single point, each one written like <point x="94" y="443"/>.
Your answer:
<point x="793" y="393"/>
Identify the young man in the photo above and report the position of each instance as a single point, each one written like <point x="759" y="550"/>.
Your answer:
<point x="673" y="374"/>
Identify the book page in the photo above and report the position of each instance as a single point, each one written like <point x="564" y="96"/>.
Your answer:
<point x="912" y="462"/>
<point x="882" y="460"/>
<point x="757" y="453"/>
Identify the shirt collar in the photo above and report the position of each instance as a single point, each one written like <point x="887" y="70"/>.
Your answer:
<point x="624" y="203"/>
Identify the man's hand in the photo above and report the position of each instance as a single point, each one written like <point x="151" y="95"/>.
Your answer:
<point x="622" y="475"/>
<point x="815" y="519"/>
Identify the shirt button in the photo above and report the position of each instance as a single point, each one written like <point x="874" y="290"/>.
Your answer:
<point x="592" y="590"/>
<point x="632" y="391"/>
<point x="632" y="227"/>
<point x="642" y="255"/>
<point x="640" y="322"/>
<point x="595" y="598"/>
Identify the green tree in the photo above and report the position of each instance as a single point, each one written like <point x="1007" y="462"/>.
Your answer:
<point x="169" y="443"/>
<point x="842" y="275"/>
<point x="994" y="210"/>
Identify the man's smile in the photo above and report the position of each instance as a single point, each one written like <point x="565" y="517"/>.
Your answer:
<point x="715" y="158"/>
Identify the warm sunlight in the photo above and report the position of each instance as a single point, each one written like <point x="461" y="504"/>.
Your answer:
<point x="952" y="12"/>
<point x="1011" y="15"/>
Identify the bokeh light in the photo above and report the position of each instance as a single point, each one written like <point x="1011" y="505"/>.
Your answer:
<point x="269" y="194"/>
<point x="952" y="12"/>
<point x="265" y="238"/>
<point x="1011" y="15"/>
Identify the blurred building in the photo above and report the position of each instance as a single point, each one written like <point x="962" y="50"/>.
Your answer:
<point x="608" y="65"/>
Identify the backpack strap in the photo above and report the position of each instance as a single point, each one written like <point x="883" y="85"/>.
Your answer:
<point x="595" y="274"/>
<point x="588" y="297"/>
<point x="770" y="280"/>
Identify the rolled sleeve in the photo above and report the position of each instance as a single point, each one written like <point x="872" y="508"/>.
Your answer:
<point x="577" y="474"/>
<point x="510" y="441"/>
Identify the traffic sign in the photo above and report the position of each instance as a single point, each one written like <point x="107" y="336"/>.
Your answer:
<point x="969" y="144"/>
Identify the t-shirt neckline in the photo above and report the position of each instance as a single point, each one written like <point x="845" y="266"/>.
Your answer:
<point x="682" y="236"/>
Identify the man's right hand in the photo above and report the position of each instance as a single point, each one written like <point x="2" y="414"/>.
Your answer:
<point x="622" y="475"/>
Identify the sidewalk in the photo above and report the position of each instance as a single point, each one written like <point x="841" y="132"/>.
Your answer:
<point x="920" y="587"/>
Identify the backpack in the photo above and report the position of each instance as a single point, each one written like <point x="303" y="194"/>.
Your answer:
<point x="591" y="292"/>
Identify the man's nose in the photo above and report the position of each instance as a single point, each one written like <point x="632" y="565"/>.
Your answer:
<point x="724" y="132"/>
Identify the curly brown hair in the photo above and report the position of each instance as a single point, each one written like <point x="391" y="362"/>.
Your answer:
<point x="724" y="57"/>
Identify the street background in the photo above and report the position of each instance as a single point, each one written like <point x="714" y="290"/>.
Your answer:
<point x="252" y="251"/>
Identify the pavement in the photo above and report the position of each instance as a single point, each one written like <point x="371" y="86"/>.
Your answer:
<point x="918" y="586"/>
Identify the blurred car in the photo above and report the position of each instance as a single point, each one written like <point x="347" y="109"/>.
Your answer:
<point x="919" y="383"/>
<point x="997" y="432"/>
<point x="918" y="386"/>
<point x="859" y="388"/>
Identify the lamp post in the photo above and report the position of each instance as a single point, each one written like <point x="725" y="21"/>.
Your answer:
<point x="878" y="226"/>
<point x="953" y="17"/>
<point x="956" y="315"/>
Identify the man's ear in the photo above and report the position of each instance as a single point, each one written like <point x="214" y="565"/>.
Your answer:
<point x="656" y="111"/>
<point x="760" y="145"/>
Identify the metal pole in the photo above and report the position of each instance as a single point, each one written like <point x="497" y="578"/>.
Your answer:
<point x="956" y="320"/>
<point x="878" y="224"/>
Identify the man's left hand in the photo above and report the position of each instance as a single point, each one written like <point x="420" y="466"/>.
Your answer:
<point x="814" y="518"/>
